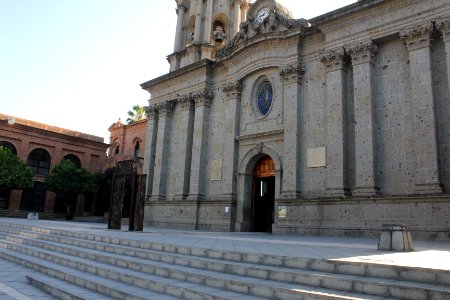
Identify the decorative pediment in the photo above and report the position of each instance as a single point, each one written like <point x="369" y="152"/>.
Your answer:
<point x="265" y="16"/>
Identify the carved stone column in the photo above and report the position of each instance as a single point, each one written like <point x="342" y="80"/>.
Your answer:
<point x="165" y="111"/>
<point x="150" y="146"/>
<point x="184" y="134"/>
<point x="418" y="42"/>
<point x="291" y="77"/>
<point x="198" y="22"/>
<point x="444" y="27"/>
<point x="364" y="117"/>
<point x="208" y="22"/>
<point x="244" y="8"/>
<point x="181" y="9"/>
<point x="198" y="178"/>
<point x="232" y="122"/>
<point x="236" y="18"/>
<point x="337" y="171"/>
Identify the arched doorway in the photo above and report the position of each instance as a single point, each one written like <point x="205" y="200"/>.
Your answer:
<point x="263" y="195"/>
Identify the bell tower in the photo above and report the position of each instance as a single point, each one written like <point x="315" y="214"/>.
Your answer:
<point x="203" y="25"/>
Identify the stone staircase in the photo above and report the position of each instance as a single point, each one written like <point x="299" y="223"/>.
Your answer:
<point x="83" y="265"/>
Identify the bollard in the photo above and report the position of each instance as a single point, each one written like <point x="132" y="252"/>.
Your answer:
<point x="395" y="237"/>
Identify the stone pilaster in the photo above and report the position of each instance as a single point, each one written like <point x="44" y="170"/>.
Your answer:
<point x="208" y="22"/>
<point x="232" y="122"/>
<point x="418" y="42"/>
<point x="236" y="18"/>
<point x="165" y="111"/>
<point x="181" y="10"/>
<point x="198" y="22"/>
<point x="245" y="4"/>
<point x="291" y="78"/>
<point x="443" y="26"/>
<point x="337" y="171"/>
<point x="150" y="146"/>
<point x="184" y="134"/>
<point x="197" y="188"/>
<point x="364" y="119"/>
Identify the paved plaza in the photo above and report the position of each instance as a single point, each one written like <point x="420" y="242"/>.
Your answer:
<point x="427" y="254"/>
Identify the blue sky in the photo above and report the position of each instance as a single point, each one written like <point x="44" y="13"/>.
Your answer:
<point x="77" y="64"/>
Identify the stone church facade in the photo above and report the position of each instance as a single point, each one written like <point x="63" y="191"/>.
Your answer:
<point x="334" y="125"/>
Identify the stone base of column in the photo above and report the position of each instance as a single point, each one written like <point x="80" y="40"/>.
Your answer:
<point x="338" y="192"/>
<point x="395" y="238"/>
<point x="180" y="197"/>
<point x="157" y="198"/>
<point x="227" y="197"/>
<point x="285" y="195"/>
<point x="195" y="197"/>
<point x="427" y="188"/>
<point x="365" y="191"/>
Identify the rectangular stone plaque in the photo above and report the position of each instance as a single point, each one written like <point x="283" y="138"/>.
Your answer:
<point x="216" y="170"/>
<point x="316" y="157"/>
<point x="282" y="212"/>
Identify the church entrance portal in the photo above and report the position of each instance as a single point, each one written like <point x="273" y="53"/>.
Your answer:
<point x="263" y="195"/>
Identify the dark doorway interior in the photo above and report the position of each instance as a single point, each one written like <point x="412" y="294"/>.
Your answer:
<point x="263" y="195"/>
<point x="263" y="204"/>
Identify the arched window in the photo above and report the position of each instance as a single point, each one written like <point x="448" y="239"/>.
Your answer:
<point x="137" y="150"/>
<point x="9" y="146"/>
<point x="73" y="158"/>
<point x="39" y="161"/>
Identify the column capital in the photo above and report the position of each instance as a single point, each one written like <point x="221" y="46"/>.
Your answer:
<point x="203" y="98"/>
<point x="362" y="52"/>
<point x="334" y="60"/>
<point x="292" y="73"/>
<point x="233" y="88"/>
<point x="185" y="102"/>
<point x="417" y="37"/>
<point x="443" y="25"/>
<point x="245" y="4"/>
<point x="165" y="108"/>
<point x="182" y="4"/>
<point x="151" y="111"/>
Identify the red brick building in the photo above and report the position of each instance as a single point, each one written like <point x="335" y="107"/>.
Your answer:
<point x="42" y="146"/>
<point x="127" y="142"/>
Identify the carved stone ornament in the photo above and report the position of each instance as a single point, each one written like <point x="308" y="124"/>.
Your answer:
<point x="362" y="51"/>
<point x="443" y="25"/>
<point x="165" y="107"/>
<point x="185" y="101"/>
<point x="233" y="87"/>
<point x="182" y="4"/>
<point x="294" y="70"/>
<point x="252" y="27"/>
<point x="418" y="36"/>
<point x="151" y="111"/>
<point x="203" y="97"/>
<point x="335" y="59"/>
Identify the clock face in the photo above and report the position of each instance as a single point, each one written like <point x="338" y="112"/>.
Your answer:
<point x="262" y="15"/>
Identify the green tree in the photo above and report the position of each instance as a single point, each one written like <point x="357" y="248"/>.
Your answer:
<point x="14" y="174"/>
<point x="69" y="179"/>
<point x="136" y="114"/>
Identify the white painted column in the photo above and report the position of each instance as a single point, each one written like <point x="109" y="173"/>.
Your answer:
<point x="165" y="111"/>
<point x="150" y="147"/>
<point x="232" y="124"/>
<point x="197" y="188"/>
<point x="291" y="77"/>
<point x="364" y="117"/>
<point x="184" y="134"/>
<point x="337" y="170"/>
<point x="198" y="22"/>
<point x="418" y="43"/>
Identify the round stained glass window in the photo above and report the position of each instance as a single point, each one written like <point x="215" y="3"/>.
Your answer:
<point x="264" y="98"/>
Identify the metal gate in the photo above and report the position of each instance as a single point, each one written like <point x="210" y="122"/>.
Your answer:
<point x="127" y="195"/>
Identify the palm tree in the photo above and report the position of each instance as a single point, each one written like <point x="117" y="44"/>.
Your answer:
<point x="136" y="114"/>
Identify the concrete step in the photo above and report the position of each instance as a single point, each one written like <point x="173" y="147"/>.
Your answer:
<point x="171" y="253"/>
<point x="110" y="288"/>
<point x="183" y="267"/>
<point x="62" y="289"/>
<point x="206" y="284"/>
